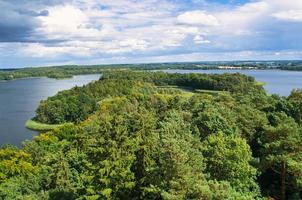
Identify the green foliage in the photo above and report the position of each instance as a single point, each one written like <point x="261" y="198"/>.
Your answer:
<point x="144" y="135"/>
<point x="78" y="103"/>
<point x="180" y="162"/>
<point x="211" y="118"/>
<point x="14" y="162"/>
<point x="282" y="152"/>
<point x="57" y="72"/>
<point x="228" y="158"/>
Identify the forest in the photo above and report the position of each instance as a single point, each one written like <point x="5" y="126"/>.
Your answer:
<point x="154" y="135"/>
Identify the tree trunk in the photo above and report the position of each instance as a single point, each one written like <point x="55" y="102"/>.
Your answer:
<point x="283" y="177"/>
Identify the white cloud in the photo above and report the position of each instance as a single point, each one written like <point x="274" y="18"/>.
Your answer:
<point x="64" y="19"/>
<point x="220" y="56"/>
<point x="39" y="50"/>
<point x="243" y="18"/>
<point x="122" y="27"/>
<point x="105" y="29"/>
<point x="197" y="18"/>
<point x="135" y="27"/>
<point x="284" y="4"/>
<point x="290" y="15"/>
<point x="198" y="39"/>
<point x="134" y="43"/>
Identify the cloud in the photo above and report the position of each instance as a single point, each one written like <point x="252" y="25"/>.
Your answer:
<point x="39" y="50"/>
<point x="13" y="26"/>
<point x="106" y="30"/>
<point x="19" y="19"/>
<point x="198" y="39"/>
<point x="34" y="13"/>
<point x="290" y="15"/>
<point x="65" y="21"/>
<point x="198" y="18"/>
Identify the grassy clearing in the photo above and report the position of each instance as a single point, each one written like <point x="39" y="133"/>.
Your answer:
<point x="37" y="126"/>
<point x="189" y="92"/>
<point x="184" y="92"/>
<point x="214" y="92"/>
<point x="167" y="86"/>
<point x="260" y="83"/>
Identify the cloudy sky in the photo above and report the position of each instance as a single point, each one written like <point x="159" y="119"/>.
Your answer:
<point x="45" y="32"/>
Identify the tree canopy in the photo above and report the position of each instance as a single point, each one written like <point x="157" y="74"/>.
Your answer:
<point x="146" y="135"/>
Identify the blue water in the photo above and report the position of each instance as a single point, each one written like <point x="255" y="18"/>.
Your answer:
<point x="20" y="98"/>
<point x="277" y="81"/>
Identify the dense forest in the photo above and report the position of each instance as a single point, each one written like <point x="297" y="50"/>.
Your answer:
<point x="153" y="135"/>
<point x="77" y="104"/>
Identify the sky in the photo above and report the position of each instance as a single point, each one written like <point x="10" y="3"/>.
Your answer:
<point x="53" y="32"/>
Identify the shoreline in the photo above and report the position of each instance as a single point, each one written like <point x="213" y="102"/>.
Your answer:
<point x="42" y="127"/>
<point x="37" y="77"/>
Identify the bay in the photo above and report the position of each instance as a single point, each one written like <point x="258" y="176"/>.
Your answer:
<point x="20" y="98"/>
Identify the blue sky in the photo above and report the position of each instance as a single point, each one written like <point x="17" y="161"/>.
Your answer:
<point x="40" y="33"/>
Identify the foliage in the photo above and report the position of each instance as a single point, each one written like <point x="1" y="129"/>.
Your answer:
<point x="78" y="103"/>
<point x="282" y="152"/>
<point x="228" y="158"/>
<point x="143" y="135"/>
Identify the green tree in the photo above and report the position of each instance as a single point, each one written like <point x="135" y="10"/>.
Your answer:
<point x="210" y="117"/>
<point x="282" y="152"/>
<point x="228" y="158"/>
<point x="181" y="165"/>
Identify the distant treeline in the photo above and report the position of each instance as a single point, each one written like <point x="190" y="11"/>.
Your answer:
<point x="57" y="72"/>
<point x="68" y="71"/>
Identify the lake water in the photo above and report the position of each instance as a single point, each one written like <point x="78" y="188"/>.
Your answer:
<point x="20" y="98"/>
<point x="277" y="81"/>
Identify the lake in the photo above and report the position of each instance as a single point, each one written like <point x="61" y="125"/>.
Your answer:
<point x="20" y="98"/>
<point x="277" y="81"/>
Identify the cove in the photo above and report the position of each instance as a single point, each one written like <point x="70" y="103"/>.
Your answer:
<point x="20" y="98"/>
